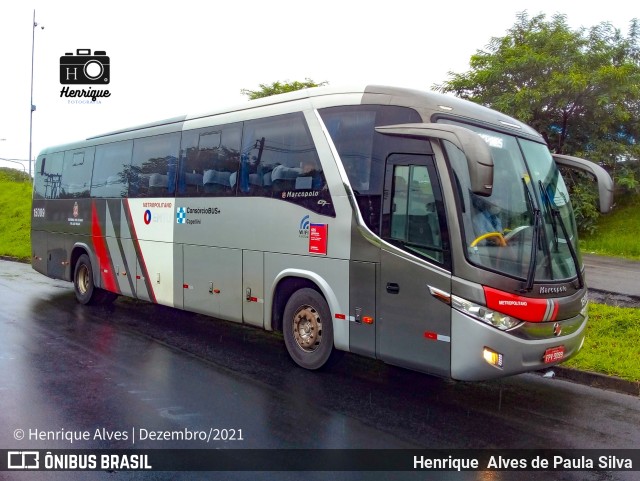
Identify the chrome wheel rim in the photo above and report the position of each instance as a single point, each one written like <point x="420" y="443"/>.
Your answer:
<point x="83" y="279"/>
<point x="307" y="328"/>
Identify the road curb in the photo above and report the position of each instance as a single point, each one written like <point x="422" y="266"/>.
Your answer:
<point x="597" y="380"/>
<point x="616" y="299"/>
<point x="14" y="259"/>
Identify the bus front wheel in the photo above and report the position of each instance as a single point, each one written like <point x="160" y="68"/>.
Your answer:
<point x="308" y="330"/>
<point x="84" y="286"/>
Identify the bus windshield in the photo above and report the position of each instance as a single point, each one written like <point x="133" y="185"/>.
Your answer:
<point x="525" y="228"/>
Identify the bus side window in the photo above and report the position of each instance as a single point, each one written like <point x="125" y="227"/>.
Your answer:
<point x="279" y="160"/>
<point x="209" y="161"/>
<point x="154" y="166"/>
<point x="76" y="173"/>
<point x="111" y="169"/>
<point x="363" y="151"/>
<point x="48" y="178"/>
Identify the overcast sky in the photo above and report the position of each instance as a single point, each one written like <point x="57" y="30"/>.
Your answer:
<point x="173" y="58"/>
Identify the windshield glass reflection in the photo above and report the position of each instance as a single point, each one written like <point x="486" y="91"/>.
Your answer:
<point x="501" y="232"/>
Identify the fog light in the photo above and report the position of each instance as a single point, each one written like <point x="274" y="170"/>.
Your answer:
<point x="492" y="357"/>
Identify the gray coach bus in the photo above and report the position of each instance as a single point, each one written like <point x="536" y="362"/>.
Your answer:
<point x="415" y="228"/>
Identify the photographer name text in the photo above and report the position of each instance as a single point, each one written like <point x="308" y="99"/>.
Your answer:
<point x="134" y="435"/>
<point x="88" y="93"/>
<point x="545" y="463"/>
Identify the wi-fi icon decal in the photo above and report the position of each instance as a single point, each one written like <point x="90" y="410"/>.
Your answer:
<point x="304" y="223"/>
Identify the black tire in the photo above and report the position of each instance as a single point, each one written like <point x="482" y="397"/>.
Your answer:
<point x="308" y="330"/>
<point x="84" y="285"/>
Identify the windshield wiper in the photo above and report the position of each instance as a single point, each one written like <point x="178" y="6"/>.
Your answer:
<point x="545" y="195"/>
<point x="537" y="216"/>
<point x="555" y="215"/>
<point x="534" y="249"/>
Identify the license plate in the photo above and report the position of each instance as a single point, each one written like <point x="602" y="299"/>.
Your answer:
<point x="553" y="354"/>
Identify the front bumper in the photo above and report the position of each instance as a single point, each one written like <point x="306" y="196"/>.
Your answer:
<point x="520" y="353"/>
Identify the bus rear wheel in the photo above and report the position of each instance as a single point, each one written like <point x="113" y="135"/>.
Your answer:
<point x="84" y="286"/>
<point x="308" y="330"/>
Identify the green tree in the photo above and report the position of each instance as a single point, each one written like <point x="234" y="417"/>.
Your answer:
<point x="579" y="88"/>
<point x="280" y="88"/>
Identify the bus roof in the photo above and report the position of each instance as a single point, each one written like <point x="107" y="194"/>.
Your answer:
<point x="430" y="104"/>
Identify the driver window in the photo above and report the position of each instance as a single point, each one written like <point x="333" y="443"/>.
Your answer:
<point x="414" y="219"/>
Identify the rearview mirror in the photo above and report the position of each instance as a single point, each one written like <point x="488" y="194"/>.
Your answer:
<point x="475" y="149"/>
<point x="605" y="183"/>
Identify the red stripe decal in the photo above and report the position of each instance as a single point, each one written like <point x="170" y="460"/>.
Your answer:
<point x="100" y="246"/>
<point x="523" y="308"/>
<point x="136" y="244"/>
<point x="556" y="306"/>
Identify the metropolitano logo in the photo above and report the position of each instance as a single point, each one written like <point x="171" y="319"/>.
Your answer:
<point x="83" y="68"/>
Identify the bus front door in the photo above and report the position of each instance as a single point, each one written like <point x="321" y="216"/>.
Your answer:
<point x="413" y="327"/>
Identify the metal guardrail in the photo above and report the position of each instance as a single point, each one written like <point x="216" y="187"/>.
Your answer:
<point x="19" y="162"/>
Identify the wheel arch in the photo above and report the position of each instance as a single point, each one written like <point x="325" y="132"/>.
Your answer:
<point x="291" y="280"/>
<point x="81" y="248"/>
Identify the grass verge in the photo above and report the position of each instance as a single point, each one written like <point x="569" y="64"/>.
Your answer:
<point x="612" y="345"/>
<point x="15" y="214"/>
<point x="618" y="232"/>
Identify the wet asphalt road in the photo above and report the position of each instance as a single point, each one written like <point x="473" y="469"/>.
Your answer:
<point x="613" y="280"/>
<point x="134" y="366"/>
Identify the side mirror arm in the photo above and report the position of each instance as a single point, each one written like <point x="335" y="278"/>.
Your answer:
<point x="605" y="183"/>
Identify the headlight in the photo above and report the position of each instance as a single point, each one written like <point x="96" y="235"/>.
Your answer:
<point x="482" y="313"/>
